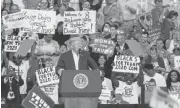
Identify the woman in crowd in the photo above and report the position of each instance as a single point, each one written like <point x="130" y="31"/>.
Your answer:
<point x="60" y="16"/>
<point x="47" y="47"/>
<point x="4" y="12"/>
<point x="160" y="48"/>
<point x="173" y="81"/>
<point x="20" y="66"/>
<point x="174" y="42"/>
<point x="105" y="30"/>
<point x="7" y="5"/>
<point x="43" y="5"/>
<point x="168" y="24"/>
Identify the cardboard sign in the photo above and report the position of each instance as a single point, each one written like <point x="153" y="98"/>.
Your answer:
<point x="154" y="34"/>
<point x="105" y="95"/>
<point x="127" y="64"/>
<point x="135" y="47"/>
<point x="39" y="21"/>
<point x="52" y="92"/>
<point x="79" y="22"/>
<point x="15" y="20"/>
<point x="37" y="99"/>
<point x="12" y="43"/>
<point x="161" y="99"/>
<point x="177" y="61"/>
<point x="24" y="47"/>
<point x="103" y="46"/>
<point x="46" y="76"/>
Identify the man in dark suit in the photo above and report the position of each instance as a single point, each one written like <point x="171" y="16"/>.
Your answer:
<point x="75" y="59"/>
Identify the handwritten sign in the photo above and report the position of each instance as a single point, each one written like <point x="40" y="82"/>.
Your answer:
<point x="79" y="22"/>
<point x="52" y="92"/>
<point x="12" y="43"/>
<point x="177" y="61"/>
<point x="154" y="34"/>
<point x="37" y="99"/>
<point x="128" y="64"/>
<point x="46" y="76"/>
<point x="15" y="20"/>
<point x="105" y="95"/>
<point x="103" y="46"/>
<point x="39" y="21"/>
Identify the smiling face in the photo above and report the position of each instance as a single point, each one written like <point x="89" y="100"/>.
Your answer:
<point x="160" y="44"/>
<point x="101" y="60"/>
<point x="174" y="76"/>
<point x="86" y="6"/>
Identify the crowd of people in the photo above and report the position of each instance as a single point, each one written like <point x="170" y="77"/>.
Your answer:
<point x="116" y="21"/>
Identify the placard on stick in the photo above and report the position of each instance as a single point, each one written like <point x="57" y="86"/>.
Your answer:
<point x="37" y="99"/>
<point x="135" y="47"/>
<point x="126" y="64"/>
<point x="46" y="76"/>
<point x="103" y="46"/>
<point x="79" y="22"/>
<point x="24" y="47"/>
<point x="12" y="43"/>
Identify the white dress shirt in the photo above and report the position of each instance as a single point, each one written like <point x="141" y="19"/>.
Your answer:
<point x="76" y="59"/>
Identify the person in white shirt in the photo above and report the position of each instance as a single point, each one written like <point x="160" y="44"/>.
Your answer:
<point x="106" y="85"/>
<point x="151" y="74"/>
<point x="129" y="88"/>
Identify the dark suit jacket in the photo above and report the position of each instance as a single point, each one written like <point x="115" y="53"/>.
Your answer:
<point x="66" y="61"/>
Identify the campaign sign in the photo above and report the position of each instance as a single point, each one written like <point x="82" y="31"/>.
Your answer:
<point x="39" y="21"/>
<point x="154" y="34"/>
<point x="37" y="99"/>
<point x="103" y="46"/>
<point x="126" y="64"/>
<point x="12" y="43"/>
<point x="79" y="22"/>
<point x="46" y="76"/>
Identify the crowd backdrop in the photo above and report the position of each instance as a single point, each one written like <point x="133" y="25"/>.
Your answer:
<point x="123" y="37"/>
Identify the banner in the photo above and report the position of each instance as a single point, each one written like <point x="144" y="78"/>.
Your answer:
<point x="103" y="46"/>
<point x="79" y="22"/>
<point x="127" y="64"/>
<point x="161" y="99"/>
<point x="15" y="20"/>
<point x="39" y="21"/>
<point x="51" y="91"/>
<point x="37" y="99"/>
<point x="177" y="61"/>
<point x="46" y="76"/>
<point x="154" y="34"/>
<point x="12" y="43"/>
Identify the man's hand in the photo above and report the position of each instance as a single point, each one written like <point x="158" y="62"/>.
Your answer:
<point x="60" y="71"/>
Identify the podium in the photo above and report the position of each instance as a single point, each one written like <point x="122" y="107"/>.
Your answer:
<point x="80" y="88"/>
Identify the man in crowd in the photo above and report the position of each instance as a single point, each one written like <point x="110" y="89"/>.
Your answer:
<point x="151" y="74"/>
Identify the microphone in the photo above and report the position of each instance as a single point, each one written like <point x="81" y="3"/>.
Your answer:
<point x="80" y="51"/>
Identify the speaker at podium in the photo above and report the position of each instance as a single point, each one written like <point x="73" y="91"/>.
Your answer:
<point x="80" y="88"/>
